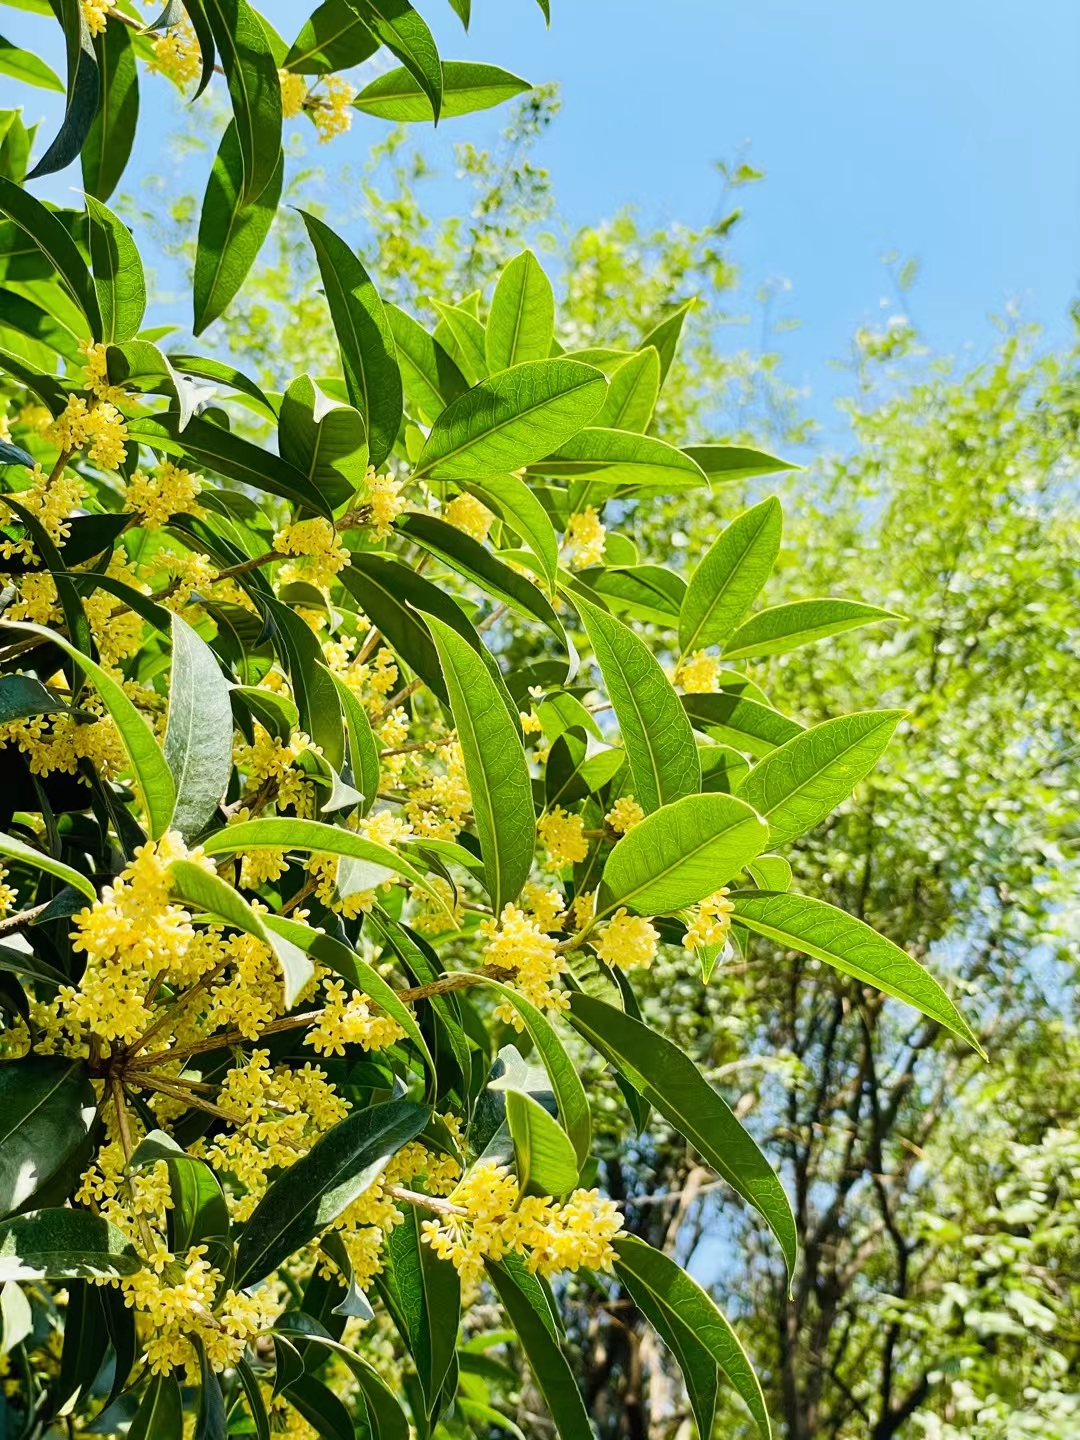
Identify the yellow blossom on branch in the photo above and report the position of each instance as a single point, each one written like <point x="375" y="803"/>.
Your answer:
<point x="564" y="837"/>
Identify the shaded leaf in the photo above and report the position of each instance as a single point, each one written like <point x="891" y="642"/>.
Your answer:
<point x="64" y="1245"/>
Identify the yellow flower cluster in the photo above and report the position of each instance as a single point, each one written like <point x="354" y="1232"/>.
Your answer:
<point x="431" y="917"/>
<point x="293" y="93"/>
<point x="468" y="514"/>
<point x="440" y="801"/>
<point x="700" y="674"/>
<point x="332" y="110"/>
<point x="711" y="921"/>
<point x="563" y="837"/>
<point x="585" y="536"/>
<point x="318" y="548"/>
<point x="547" y="906"/>
<point x="517" y="944"/>
<point x="52" y="501"/>
<point x="628" y="941"/>
<point x="8" y="895"/>
<point x="177" y="54"/>
<point x="96" y="13"/>
<point x="271" y="763"/>
<point x="552" y="1237"/>
<point x="156" y="498"/>
<point x="96" y="371"/>
<point x="383" y="494"/>
<point x="101" y="426"/>
<point x="350" y="1022"/>
<point x="59" y="742"/>
<point x="624" y="815"/>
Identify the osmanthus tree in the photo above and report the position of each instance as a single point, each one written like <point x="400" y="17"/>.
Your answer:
<point x="322" y="911"/>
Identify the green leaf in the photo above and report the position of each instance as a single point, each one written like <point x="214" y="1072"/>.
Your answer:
<point x="770" y="872"/>
<point x="406" y="35"/>
<point x="50" y="237"/>
<point x="796" y="922"/>
<point x="24" y="65"/>
<point x="82" y="91"/>
<point x="462" y="336"/>
<point x="671" y="1081"/>
<point x="255" y="1403"/>
<point x="147" y="762"/>
<point x="621" y="459"/>
<point x="222" y="374"/>
<point x="363" y="751"/>
<point x="206" y="891"/>
<point x="18" y="313"/>
<point x="554" y="1377"/>
<point x="24" y="695"/>
<point x="321" y="1408"/>
<point x="495" y="766"/>
<point x="657" y="735"/>
<point x="160" y="1415"/>
<point x="251" y="75"/>
<point x="324" y="439"/>
<point x="681" y="853"/>
<point x="730" y="575"/>
<point x="199" y="1211"/>
<point x="644" y="592"/>
<point x="64" y="1245"/>
<point x="111" y="137"/>
<point x="208" y="446"/>
<point x="746" y="724"/>
<point x="516" y="505"/>
<point x="521" y="325"/>
<point x="692" y="1319"/>
<point x="388" y="593"/>
<point x="387" y="1417"/>
<point x="543" y="1154"/>
<point x="725" y="463"/>
<point x="430" y="377"/>
<point x="46" y="1108"/>
<point x="313" y="685"/>
<point x="231" y="230"/>
<point x="364" y="336"/>
<point x="318" y="1187"/>
<point x="210" y="1417"/>
<point x="423" y="1296"/>
<point x="632" y="394"/>
<point x="334" y="38"/>
<point x="788" y="627"/>
<point x="511" y="419"/>
<point x="664" y="337"/>
<point x="118" y="272"/>
<point x="467" y="86"/>
<point x="198" y="736"/>
<point x="797" y="785"/>
<point x="16" y="1317"/>
<point x="314" y="837"/>
<point x="16" y="849"/>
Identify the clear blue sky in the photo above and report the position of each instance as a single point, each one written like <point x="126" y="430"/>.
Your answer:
<point x="942" y="129"/>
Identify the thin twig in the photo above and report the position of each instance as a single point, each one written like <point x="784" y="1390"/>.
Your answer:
<point x="426" y="1202"/>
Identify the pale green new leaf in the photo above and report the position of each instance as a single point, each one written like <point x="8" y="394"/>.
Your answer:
<point x="511" y="419"/>
<point x="632" y="394"/>
<point x="729" y="576"/>
<point x="118" y="273"/>
<point x="658" y="737"/>
<point x="681" y="853"/>
<point x="801" y="782"/>
<point x="467" y="86"/>
<point x="796" y="922"/>
<point x="16" y="849"/>
<point x="783" y="628"/>
<point x="495" y="766"/>
<point x="521" y="324"/>
<point x="543" y="1154"/>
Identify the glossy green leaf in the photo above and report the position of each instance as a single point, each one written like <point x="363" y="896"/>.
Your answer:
<point x="784" y="628"/>
<point x="16" y="849"/>
<point x="204" y="890"/>
<point x="148" y="764"/>
<point x="521" y="324"/>
<point x="64" y="1245"/>
<point x="461" y="334"/>
<point x="46" y="1108"/>
<point x="160" y="1415"/>
<point x="797" y="785"/>
<point x="550" y="1368"/>
<point x="363" y="750"/>
<point x="656" y="733"/>
<point x="118" y="273"/>
<point x="422" y="1294"/>
<point x="495" y="766"/>
<point x="111" y="138"/>
<point x="516" y="505"/>
<point x="430" y="377"/>
<point x="692" y="1318"/>
<point x="770" y="872"/>
<point x="664" y="337"/>
<point x="251" y="75"/>
<point x="671" y="1081"/>
<point x="325" y="440"/>
<point x="334" y="38"/>
<point x="209" y="447"/>
<point x="364" y="336"/>
<point x="198" y="736"/>
<point x="386" y="1415"/>
<point x="406" y="35"/>
<point x="312" y="683"/>
<point x="511" y="419"/>
<point x="388" y="593"/>
<point x="735" y="720"/>
<point x="622" y="459"/>
<point x="254" y="1397"/>
<point x="683" y="852"/>
<point x="632" y="393"/>
<point x="725" y="463"/>
<point x="50" y="237"/>
<point x="797" y="922"/>
<point x="315" y="1189"/>
<point x="82" y="91"/>
<point x="730" y="576"/>
<point x="543" y="1153"/>
<point x="232" y="229"/>
<point x="210" y="1416"/>
<point x="467" y="86"/>
<point x="321" y="1408"/>
<point x="228" y="376"/>
<point x="24" y="65"/>
<point x="20" y="314"/>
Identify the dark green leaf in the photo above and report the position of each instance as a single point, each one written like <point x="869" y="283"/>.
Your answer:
<point x="199" y="1211"/>
<point x="64" y="1245"/>
<point x="334" y="38"/>
<point x="160" y="1415"/>
<point x="251" y="74"/>
<point x="549" y="1365"/>
<point x="621" y="459"/>
<point x="405" y="34"/>
<point x="108" y="145"/>
<point x="363" y="750"/>
<point x="516" y="505"/>
<point x="46" y="1107"/>
<point x="746" y="724"/>
<point x="430" y="377"/>
<point x="53" y="241"/>
<point x="118" y="272"/>
<point x="82" y="91"/>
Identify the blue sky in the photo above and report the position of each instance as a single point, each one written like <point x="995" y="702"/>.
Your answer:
<point x="946" y="131"/>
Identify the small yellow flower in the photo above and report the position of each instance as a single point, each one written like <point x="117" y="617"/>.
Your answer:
<point x="156" y="498"/>
<point x="468" y="514"/>
<point x="711" y="921"/>
<point x="700" y="674"/>
<point x="332" y="111"/>
<point x="177" y="54"/>
<point x="628" y="941"/>
<point x="624" y="815"/>
<point x="563" y="836"/>
<point x="382" y="493"/>
<point x="318" y="548"/>
<point x="518" y="944"/>
<point x="293" y="93"/>
<point x="585" y="538"/>
<point x="96" y="13"/>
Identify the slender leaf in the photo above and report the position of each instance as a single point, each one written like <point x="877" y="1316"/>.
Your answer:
<point x="544" y="1155"/>
<point x="251" y="75"/>
<point x="467" y="86"/>
<point x="430" y="377"/>
<point x="24" y="65"/>
<point x="198" y="737"/>
<point x="632" y="394"/>
<point x="109" y="143"/>
<point x="521" y="325"/>
<point x="160" y="1415"/>
<point x="50" y="237"/>
<point x="725" y="463"/>
<point x="517" y="506"/>
<point x="549" y="1365"/>
<point x="64" y="1245"/>
<point x="82" y="91"/>
<point x="334" y="38"/>
<point x="363" y="751"/>
<point x="118" y="273"/>
<point x="744" y="723"/>
<point x="406" y="35"/>
<point x="730" y="575"/>
<point x="16" y="849"/>
<point x="784" y="628"/>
